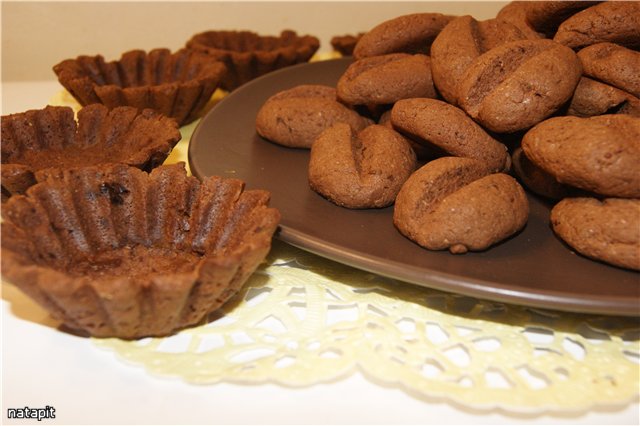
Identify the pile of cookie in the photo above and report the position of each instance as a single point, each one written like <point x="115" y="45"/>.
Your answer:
<point x="545" y="96"/>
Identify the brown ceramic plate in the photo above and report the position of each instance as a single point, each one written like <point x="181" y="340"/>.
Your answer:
<point x="533" y="268"/>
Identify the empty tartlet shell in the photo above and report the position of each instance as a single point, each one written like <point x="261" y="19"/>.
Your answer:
<point x="248" y="55"/>
<point x="178" y="84"/>
<point x="113" y="251"/>
<point x="51" y="137"/>
<point x="344" y="44"/>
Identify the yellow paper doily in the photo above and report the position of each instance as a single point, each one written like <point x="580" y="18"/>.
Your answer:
<point x="301" y="320"/>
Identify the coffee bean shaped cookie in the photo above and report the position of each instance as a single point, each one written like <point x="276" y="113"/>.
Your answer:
<point x="515" y="13"/>
<point x="412" y="33"/>
<point x="611" y="21"/>
<point x="606" y="230"/>
<point x="546" y="16"/>
<point x="306" y="91"/>
<point x="519" y="84"/>
<point x="592" y="97"/>
<point x="540" y="19"/>
<point x="462" y="41"/>
<point x="295" y="117"/>
<point x="451" y="130"/>
<point x="385" y="79"/>
<point x="598" y="154"/>
<point x="535" y="179"/>
<point x="612" y="64"/>
<point x="360" y="170"/>
<point x="458" y="204"/>
<point x="423" y="151"/>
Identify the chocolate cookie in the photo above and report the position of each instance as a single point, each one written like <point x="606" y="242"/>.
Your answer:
<point x="546" y="16"/>
<point x="295" y="117"/>
<point x="423" y="152"/>
<point x="518" y="84"/>
<point x="540" y="19"/>
<point x="457" y="204"/>
<point x="381" y="80"/>
<point x="599" y="154"/>
<point x="462" y="41"/>
<point x="535" y="179"/>
<point x="360" y="170"/>
<point x="437" y="123"/>
<point x="611" y="21"/>
<point x="412" y="33"/>
<point x="306" y="91"/>
<point x="607" y="230"/>
<point x="612" y="64"/>
<point x="515" y="13"/>
<point x="592" y="97"/>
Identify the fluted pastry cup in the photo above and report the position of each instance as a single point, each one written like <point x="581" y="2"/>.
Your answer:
<point x="177" y="84"/>
<point x="248" y="55"/>
<point x="113" y="251"/>
<point x="51" y="137"/>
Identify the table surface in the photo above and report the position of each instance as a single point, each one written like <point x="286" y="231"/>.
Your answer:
<point x="87" y="384"/>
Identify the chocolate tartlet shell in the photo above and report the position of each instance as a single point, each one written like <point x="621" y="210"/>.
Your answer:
<point x="248" y="55"/>
<point x="178" y="84"/>
<point x="51" y="137"/>
<point x="116" y="252"/>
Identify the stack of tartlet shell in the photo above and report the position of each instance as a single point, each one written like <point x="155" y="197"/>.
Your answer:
<point x="178" y="84"/>
<point x="95" y="230"/>
<point x="248" y="55"/>
<point x="113" y="251"/>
